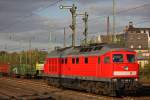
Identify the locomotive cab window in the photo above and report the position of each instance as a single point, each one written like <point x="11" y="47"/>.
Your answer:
<point x="117" y="58"/>
<point x="131" y="58"/>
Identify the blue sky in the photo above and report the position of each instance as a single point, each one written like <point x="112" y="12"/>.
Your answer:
<point x="32" y="19"/>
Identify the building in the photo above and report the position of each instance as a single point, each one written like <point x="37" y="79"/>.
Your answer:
<point x="132" y="37"/>
<point x="136" y="38"/>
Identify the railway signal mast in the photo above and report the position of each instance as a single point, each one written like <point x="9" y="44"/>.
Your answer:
<point x="85" y="20"/>
<point x="72" y="9"/>
<point x="109" y="37"/>
<point x="64" y="37"/>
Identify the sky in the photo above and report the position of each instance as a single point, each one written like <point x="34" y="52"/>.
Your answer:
<point x="40" y="23"/>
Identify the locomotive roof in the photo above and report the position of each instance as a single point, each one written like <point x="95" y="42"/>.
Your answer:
<point x="94" y="49"/>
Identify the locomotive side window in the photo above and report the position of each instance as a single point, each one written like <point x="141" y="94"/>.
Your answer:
<point x="99" y="60"/>
<point x="66" y="61"/>
<point x="117" y="58"/>
<point x="131" y="58"/>
<point x="77" y="60"/>
<point x="62" y="61"/>
<point x="86" y="60"/>
<point x="107" y="60"/>
<point x="73" y="60"/>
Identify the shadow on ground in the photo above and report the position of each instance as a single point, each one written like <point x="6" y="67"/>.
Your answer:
<point x="144" y="91"/>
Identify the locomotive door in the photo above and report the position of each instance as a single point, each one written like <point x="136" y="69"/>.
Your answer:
<point x="106" y="67"/>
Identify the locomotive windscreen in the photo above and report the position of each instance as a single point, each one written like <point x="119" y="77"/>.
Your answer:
<point x="131" y="58"/>
<point x="117" y="58"/>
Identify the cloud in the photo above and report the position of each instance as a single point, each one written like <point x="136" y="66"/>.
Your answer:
<point x="20" y="17"/>
<point x="14" y="12"/>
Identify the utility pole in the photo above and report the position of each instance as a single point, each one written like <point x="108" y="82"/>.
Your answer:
<point x="49" y="41"/>
<point x="113" y="35"/>
<point x="108" y="35"/>
<point x="5" y="53"/>
<point x="85" y="19"/>
<point x="72" y="9"/>
<point x="50" y="37"/>
<point x="20" y="55"/>
<point x="64" y="37"/>
<point x="30" y="57"/>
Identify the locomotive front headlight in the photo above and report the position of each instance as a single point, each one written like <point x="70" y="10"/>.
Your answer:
<point x="136" y="79"/>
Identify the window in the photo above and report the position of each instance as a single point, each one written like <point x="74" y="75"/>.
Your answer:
<point x="86" y="60"/>
<point x="66" y="61"/>
<point x="107" y="60"/>
<point x="130" y="58"/>
<point x="77" y="60"/>
<point x="147" y="32"/>
<point x="131" y="46"/>
<point x="117" y="58"/>
<point x="73" y="60"/>
<point x="138" y="38"/>
<point x="62" y="61"/>
<point x="142" y="31"/>
<point x="139" y="46"/>
<point x="99" y="60"/>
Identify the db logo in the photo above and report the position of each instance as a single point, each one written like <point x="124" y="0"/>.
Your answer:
<point x="125" y="67"/>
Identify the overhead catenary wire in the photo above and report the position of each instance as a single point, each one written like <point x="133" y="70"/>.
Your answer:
<point x="123" y="11"/>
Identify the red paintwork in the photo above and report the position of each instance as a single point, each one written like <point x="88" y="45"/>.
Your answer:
<point x="4" y="68"/>
<point x="93" y="69"/>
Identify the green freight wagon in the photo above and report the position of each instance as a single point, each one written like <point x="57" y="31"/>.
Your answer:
<point x="23" y="70"/>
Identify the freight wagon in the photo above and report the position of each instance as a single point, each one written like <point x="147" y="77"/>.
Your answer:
<point x="22" y="70"/>
<point x="4" y="69"/>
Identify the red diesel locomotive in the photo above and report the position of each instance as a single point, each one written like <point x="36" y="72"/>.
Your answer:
<point x="101" y="69"/>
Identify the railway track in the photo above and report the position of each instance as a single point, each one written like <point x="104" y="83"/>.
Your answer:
<point x="23" y="89"/>
<point x="19" y="89"/>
